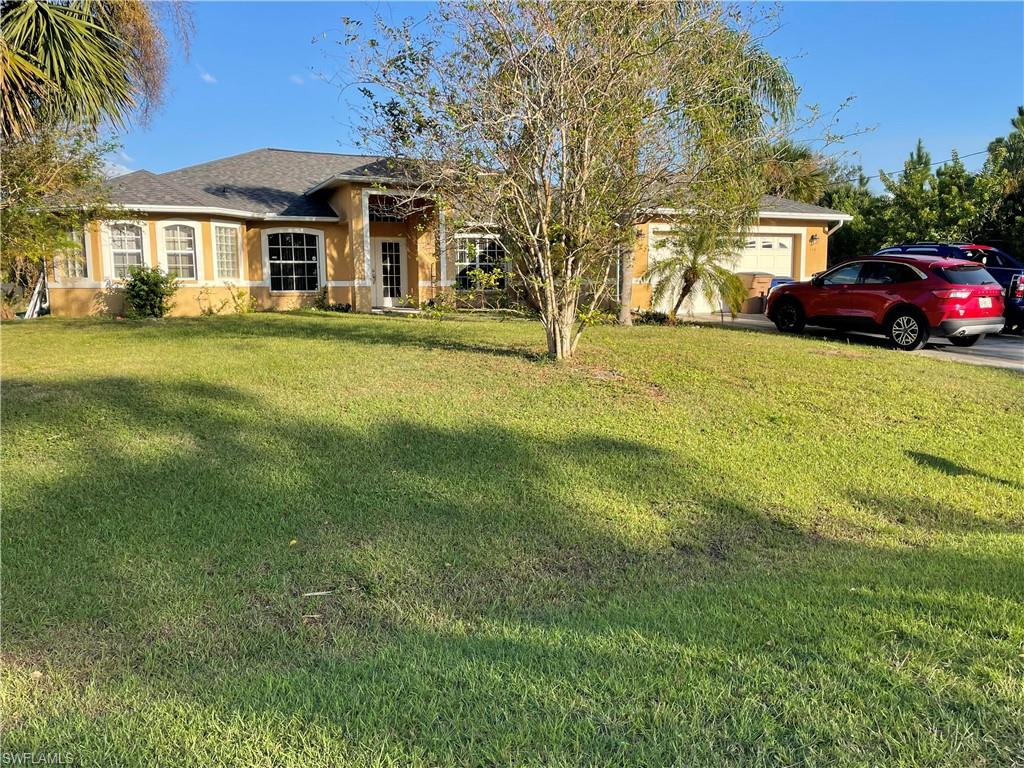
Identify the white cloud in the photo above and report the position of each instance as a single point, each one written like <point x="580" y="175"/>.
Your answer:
<point x="297" y="79"/>
<point x="112" y="169"/>
<point x="205" y="76"/>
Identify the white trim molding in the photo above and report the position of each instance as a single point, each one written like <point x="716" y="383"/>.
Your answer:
<point x="162" y="226"/>
<point x="216" y="211"/>
<point x="831" y="216"/>
<point x="320" y="256"/>
<point x="344" y="178"/>
<point x="349" y="284"/>
<point x="442" y="247"/>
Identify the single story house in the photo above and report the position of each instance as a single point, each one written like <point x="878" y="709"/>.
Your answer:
<point x="283" y="225"/>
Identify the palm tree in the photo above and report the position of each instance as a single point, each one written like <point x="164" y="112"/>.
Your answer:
<point x="81" y="62"/>
<point x="795" y="171"/>
<point x="700" y="252"/>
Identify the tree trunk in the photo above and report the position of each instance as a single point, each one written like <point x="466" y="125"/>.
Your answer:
<point x="687" y="287"/>
<point x="559" y="327"/>
<point x="625" y="286"/>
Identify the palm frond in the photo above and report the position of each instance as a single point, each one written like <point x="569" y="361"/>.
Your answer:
<point x="83" y="68"/>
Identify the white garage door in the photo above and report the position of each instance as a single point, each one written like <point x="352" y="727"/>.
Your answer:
<point x="771" y="254"/>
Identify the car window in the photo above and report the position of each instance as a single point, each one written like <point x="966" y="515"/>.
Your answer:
<point x="966" y="275"/>
<point x="902" y="273"/>
<point x="875" y="273"/>
<point x="846" y="275"/>
<point x="985" y="258"/>
<point x="887" y="273"/>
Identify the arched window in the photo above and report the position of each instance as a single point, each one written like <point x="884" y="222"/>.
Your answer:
<point x="126" y="248"/>
<point x="180" y="248"/>
<point x="294" y="261"/>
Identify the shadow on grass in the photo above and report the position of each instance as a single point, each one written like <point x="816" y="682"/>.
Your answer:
<point x="454" y="334"/>
<point x="953" y="469"/>
<point x="491" y="597"/>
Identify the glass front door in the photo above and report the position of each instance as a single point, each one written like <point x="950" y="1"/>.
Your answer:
<point x="390" y="284"/>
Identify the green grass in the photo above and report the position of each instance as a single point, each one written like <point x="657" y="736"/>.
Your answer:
<point x="691" y="546"/>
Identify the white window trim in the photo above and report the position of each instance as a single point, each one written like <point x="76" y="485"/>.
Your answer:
<point x="60" y="280"/>
<point x="320" y="257"/>
<point x="108" y="250"/>
<point x="242" y="262"/>
<point x="161" y="246"/>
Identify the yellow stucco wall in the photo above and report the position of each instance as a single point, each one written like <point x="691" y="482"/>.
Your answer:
<point x="98" y="295"/>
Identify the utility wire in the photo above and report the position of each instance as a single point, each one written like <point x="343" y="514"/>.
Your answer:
<point x="937" y="162"/>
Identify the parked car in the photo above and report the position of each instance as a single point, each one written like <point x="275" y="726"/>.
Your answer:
<point x="907" y="297"/>
<point x="1008" y="271"/>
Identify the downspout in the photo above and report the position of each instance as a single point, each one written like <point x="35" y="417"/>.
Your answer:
<point x="835" y="228"/>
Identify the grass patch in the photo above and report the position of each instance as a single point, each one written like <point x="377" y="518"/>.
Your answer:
<point x="692" y="546"/>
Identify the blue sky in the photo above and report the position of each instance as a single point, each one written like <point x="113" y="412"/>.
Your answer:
<point x="950" y="73"/>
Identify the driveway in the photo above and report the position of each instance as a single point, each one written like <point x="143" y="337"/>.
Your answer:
<point x="1000" y="351"/>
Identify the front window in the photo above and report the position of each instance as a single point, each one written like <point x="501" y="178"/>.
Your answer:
<point x="472" y="253"/>
<point x="180" y="246"/>
<point x="294" y="261"/>
<point x="126" y="248"/>
<point x="226" y="248"/>
<point x="72" y="262"/>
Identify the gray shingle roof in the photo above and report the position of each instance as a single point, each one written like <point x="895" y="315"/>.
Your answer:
<point x="264" y="181"/>
<point x="275" y="182"/>
<point x="774" y="204"/>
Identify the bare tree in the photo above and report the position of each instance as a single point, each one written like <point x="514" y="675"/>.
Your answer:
<point x="559" y="123"/>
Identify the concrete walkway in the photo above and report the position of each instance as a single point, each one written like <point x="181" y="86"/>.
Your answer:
<point x="1001" y="351"/>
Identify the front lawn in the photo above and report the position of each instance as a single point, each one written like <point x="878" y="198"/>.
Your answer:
<point x="692" y="547"/>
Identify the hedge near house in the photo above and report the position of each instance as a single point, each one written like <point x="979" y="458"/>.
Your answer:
<point x="148" y="292"/>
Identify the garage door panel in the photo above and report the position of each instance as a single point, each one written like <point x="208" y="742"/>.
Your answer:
<point x="768" y="253"/>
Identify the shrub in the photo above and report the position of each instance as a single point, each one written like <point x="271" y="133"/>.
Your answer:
<point x="148" y="292"/>
<point x="324" y="304"/>
<point x="444" y="303"/>
<point x="242" y="301"/>
<point x="650" y="317"/>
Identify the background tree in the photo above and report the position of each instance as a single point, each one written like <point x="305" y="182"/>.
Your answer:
<point x="69" y="70"/>
<point x="1006" y="154"/>
<point x="912" y="212"/>
<point x="559" y="122"/>
<point x="795" y="171"/>
<point x="850" y="193"/>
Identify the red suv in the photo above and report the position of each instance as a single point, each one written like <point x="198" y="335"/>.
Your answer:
<point x="907" y="297"/>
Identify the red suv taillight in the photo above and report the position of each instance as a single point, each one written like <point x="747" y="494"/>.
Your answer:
<point x="1017" y="287"/>
<point x="953" y="293"/>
